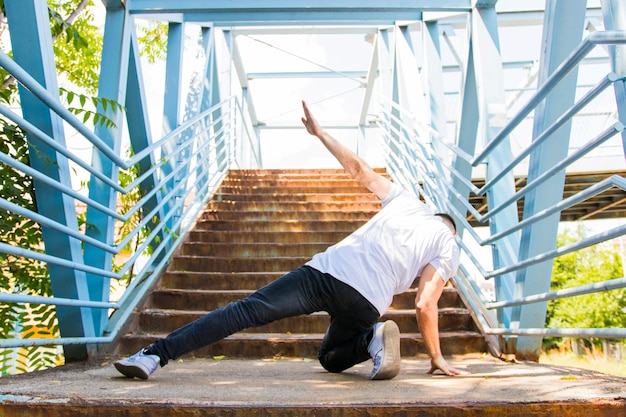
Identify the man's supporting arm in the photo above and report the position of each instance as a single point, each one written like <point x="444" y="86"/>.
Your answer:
<point x="427" y="312"/>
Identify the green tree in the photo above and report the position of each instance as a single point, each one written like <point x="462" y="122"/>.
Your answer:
<point x="77" y="44"/>
<point x="587" y="266"/>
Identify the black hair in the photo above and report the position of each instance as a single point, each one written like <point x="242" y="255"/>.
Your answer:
<point x="447" y="217"/>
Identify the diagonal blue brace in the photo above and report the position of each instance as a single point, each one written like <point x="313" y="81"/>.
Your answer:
<point x="32" y="49"/>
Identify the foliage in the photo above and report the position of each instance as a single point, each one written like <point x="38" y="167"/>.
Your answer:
<point x="77" y="47"/>
<point x="587" y="266"/>
<point x="153" y="40"/>
<point x="78" y="42"/>
<point x="18" y="274"/>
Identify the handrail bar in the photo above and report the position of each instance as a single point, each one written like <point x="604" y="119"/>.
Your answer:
<point x="616" y="128"/>
<point x="35" y="131"/>
<point x="612" y="284"/>
<point x="605" y="184"/>
<point x="54" y="104"/>
<point x="605" y="333"/>
<point x="560" y="121"/>
<point x="7" y="205"/>
<point x="563" y="250"/>
<point x="57" y="185"/>
<point x="568" y="64"/>
<point x="38" y="299"/>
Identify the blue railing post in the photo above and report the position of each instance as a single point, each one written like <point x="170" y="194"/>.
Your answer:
<point x="614" y="12"/>
<point x="489" y="78"/>
<point x="563" y="31"/>
<point x="32" y="45"/>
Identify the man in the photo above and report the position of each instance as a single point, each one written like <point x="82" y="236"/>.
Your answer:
<point x="354" y="281"/>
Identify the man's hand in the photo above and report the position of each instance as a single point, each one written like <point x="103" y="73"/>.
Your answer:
<point x="310" y="123"/>
<point x="441" y="364"/>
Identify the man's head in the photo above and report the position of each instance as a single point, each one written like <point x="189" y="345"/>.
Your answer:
<point x="448" y="220"/>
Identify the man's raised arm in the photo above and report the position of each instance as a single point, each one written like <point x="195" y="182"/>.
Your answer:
<point x="354" y="165"/>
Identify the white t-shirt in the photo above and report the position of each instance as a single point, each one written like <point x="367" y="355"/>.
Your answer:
<point x="384" y="256"/>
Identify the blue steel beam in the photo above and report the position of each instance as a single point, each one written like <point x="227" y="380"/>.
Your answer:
<point x="563" y="31"/>
<point x="32" y="49"/>
<point x="491" y="100"/>
<point x="614" y="12"/>
<point x="259" y="13"/>
<point x="112" y="85"/>
<point x="141" y="137"/>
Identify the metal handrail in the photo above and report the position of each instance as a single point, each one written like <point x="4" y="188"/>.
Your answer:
<point x="179" y="200"/>
<point x="410" y="143"/>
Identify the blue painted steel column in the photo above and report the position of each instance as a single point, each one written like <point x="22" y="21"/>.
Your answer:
<point x="436" y="102"/>
<point x="434" y="72"/>
<point x="408" y="93"/>
<point x="112" y="86"/>
<point x="172" y="104"/>
<point x="212" y="95"/>
<point x="491" y="101"/>
<point x="32" y="49"/>
<point x="614" y="12"/>
<point x="468" y="128"/>
<point x="563" y="30"/>
<point x="140" y="134"/>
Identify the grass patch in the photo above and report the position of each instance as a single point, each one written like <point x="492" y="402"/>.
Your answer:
<point x="609" y="366"/>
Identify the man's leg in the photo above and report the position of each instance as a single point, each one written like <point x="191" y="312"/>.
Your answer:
<point x="293" y="294"/>
<point x="350" y="330"/>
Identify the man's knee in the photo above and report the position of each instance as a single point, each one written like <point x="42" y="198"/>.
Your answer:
<point x="326" y="360"/>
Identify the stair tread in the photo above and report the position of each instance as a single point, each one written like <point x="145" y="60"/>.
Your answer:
<point x="236" y="245"/>
<point x="243" y="335"/>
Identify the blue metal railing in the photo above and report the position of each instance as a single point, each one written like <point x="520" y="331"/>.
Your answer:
<point x="204" y="149"/>
<point x="414" y="162"/>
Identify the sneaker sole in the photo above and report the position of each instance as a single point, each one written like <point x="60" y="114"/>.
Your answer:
<point x="131" y="371"/>
<point x="391" y="342"/>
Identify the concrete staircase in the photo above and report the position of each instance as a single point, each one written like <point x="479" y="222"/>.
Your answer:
<point x="260" y="225"/>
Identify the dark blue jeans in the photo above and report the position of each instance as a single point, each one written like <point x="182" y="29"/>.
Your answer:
<point x="302" y="291"/>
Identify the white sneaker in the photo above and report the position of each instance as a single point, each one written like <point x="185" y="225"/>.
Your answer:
<point x="385" y="350"/>
<point x="140" y="365"/>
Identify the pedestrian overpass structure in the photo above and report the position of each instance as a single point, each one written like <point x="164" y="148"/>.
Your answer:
<point x="439" y="92"/>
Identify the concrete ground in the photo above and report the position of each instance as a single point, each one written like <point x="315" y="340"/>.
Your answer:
<point x="303" y="382"/>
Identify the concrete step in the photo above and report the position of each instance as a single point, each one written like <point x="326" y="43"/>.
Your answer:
<point x="260" y="226"/>
<point x="209" y="299"/>
<point x="306" y="345"/>
<point x="305" y="217"/>
<point x="245" y="250"/>
<point x="301" y="388"/>
<point x="229" y="236"/>
<point x="161" y="319"/>
<point x="293" y="206"/>
<point x="286" y="225"/>
<point x="282" y="195"/>
<point x="236" y="264"/>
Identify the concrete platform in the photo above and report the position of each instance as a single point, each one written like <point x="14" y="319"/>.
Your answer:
<point x="302" y="387"/>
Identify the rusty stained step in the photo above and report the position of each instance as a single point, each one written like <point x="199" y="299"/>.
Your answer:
<point x="235" y="264"/>
<point x="164" y="320"/>
<point x="285" y="215"/>
<point x="286" y="225"/>
<point x="255" y="188"/>
<point x="306" y="345"/>
<point x="281" y="195"/>
<point x="246" y="250"/>
<point x="236" y="237"/>
<point x="193" y="280"/>
<point x="204" y="297"/>
<point x="293" y="206"/>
